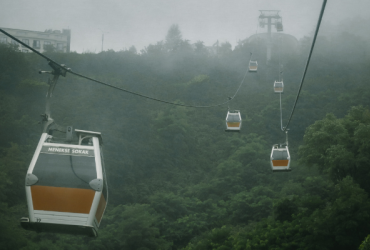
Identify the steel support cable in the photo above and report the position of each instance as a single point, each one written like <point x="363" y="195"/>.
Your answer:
<point x="281" y="114"/>
<point x="307" y="63"/>
<point x="241" y="83"/>
<point x="280" y="80"/>
<point x="281" y="65"/>
<point x="159" y="100"/>
<point x="118" y="88"/>
<point x="280" y="72"/>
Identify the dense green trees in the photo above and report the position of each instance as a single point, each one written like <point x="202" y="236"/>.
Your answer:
<point x="340" y="147"/>
<point x="176" y="180"/>
<point x="308" y="222"/>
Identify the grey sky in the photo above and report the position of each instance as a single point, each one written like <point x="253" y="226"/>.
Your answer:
<point x="143" y="22"/>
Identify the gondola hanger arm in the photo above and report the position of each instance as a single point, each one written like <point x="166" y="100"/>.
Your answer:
<point x="47" y="120"/>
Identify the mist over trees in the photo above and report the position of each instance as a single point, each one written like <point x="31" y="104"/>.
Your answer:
<point x="176" y="179"/>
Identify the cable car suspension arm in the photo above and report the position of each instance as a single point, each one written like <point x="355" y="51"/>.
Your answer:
<point x="286" y="138"/>
<point x="47" y="120"/>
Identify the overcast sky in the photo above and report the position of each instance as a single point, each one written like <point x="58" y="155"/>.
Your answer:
<point x="143" y="22"/>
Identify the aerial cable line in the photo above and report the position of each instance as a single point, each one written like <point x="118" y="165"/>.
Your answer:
<point x="61" y="66"/>
<point x="280" y="72"/>
<point x="281" y="115"/>
<point x="308" y="61"/>
<point x="281" y="66"/>
<point x="241" y="83"/>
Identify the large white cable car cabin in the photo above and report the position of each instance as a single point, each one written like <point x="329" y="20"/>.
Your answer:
<point x="252" y="67"/>
<point x="280" y="158"/>
<point x="66" y="185"/>
<point x="279" y="86"/>
<point x="233" y="121"/>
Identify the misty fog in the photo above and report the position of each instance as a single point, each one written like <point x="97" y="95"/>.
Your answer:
<point x="140" y="23"/>
<point x="176" y="179"/>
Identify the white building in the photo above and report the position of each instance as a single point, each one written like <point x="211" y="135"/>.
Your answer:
<point x="61" y="40"/>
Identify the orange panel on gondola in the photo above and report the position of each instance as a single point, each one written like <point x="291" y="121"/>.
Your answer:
<point x="280" y="163"/>
<point x="101" y="208"/>
<point x="60" y="199"/>
<point x="233" y="124"/>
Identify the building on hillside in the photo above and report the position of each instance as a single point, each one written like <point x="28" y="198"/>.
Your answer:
<point x="39" y="40"/>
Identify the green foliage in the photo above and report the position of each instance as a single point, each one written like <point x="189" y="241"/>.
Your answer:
<point x="339" y="147"/>
<point x="285" y="209"/>
<point x="174" y="40"/>
<point x="13" y="67"/>
<point x="137" y="232"/>
<point x="216" y="239"/>
<point x="365" y="245"/>
<point x="252" y="205"/>
<point x="49" y="48"/>
<point x="330" y="227"/>
<point x="199" y="79"/>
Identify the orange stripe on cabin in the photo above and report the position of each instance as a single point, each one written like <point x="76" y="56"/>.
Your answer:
<point x="252" y="67"/>
<point x="278" y="89"/>
<point x="60" y="199"/>
<point x="101" y="207"/>
<point x="280" y="163"/>
<point x="233" y="124"/>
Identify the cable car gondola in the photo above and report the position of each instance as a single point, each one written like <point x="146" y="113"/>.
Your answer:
<point x="233" y="121"/>
<point x="253" y="66"/>
<point x="278" y="87"/>
<point x="279" y="26"/>
<point x="66" y="185"/>
<point x="280" y="158"/>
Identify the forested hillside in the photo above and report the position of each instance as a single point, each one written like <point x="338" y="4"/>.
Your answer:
<point x="176" y="179"/>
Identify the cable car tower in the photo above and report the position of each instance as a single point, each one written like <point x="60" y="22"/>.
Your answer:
<point x="270" y="18"/>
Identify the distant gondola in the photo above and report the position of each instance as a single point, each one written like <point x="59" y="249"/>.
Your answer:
<point x="278" y="87"/>
<point x="253" y="66"/>
<point x="279" y="26"/>
<point x="65" y="185"/>
<point x="280" y="158"/>
<point x="233" y="121"/>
